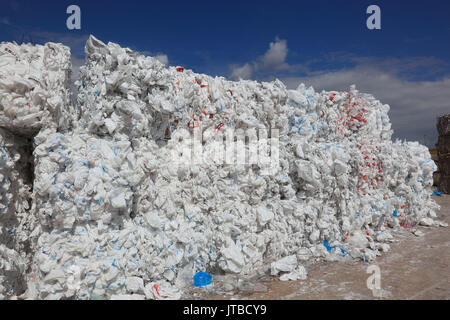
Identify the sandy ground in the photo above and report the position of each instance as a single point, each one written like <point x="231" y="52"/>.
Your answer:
<point x="414" y="268"/>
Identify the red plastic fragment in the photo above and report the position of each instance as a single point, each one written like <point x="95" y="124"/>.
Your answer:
<point x="195" y="123"/>
<point x="180" y="69"/>
<point x="155" y="286"/>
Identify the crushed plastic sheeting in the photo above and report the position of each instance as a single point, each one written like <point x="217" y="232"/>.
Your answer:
<point x="12" y="268"/>
<point x="35" y="87"/>
<point x="116" y="215"/>
<point x="14" y="190"/>
<point x="123" y="92"/>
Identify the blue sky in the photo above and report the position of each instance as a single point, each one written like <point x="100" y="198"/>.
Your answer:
<point x="323" y="43"/>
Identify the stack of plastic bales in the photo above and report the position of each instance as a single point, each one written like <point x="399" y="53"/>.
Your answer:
<point x="143" y="192"/>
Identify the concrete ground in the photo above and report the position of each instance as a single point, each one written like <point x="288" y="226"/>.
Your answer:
<point x="414" y="268"/>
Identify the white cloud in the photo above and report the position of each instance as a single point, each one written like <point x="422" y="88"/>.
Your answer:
<point x="414" y="104"/>
<point x="243" y="72"/>
<point x="274" y="58"/>
<point x="162" y="58"/>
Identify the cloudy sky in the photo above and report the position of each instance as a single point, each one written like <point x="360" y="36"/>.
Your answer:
<point x="322" y="43"/>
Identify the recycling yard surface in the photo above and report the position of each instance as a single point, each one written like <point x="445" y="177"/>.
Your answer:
<point x="415" y="268"/>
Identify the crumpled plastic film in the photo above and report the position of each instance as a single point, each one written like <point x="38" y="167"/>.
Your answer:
<point x="12" y="268"/>
<point x="15" y="188"/>
<point x="122" y="91"/>
<point x="122" y="211"/>
<point x="15" y="194"/>
<point x="35" y="87"/>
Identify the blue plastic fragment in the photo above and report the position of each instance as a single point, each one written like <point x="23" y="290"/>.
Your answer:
<point x="325" y="243"/>
<point x="437" y="193"/>
<point x="394" y="213"/>
<point x="202" y="279"/>
<point x="329" y="248"/>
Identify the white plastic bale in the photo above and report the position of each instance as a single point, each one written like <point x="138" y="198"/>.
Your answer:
<point x="35" y="88"/>
<point x="123" y="91"/>
<point x="15" y="195"/>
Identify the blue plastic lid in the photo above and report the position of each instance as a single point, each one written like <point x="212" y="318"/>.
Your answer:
<point x="202" y="279"/>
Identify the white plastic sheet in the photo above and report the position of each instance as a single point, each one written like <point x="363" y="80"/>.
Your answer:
<point x="35" y="87"/>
